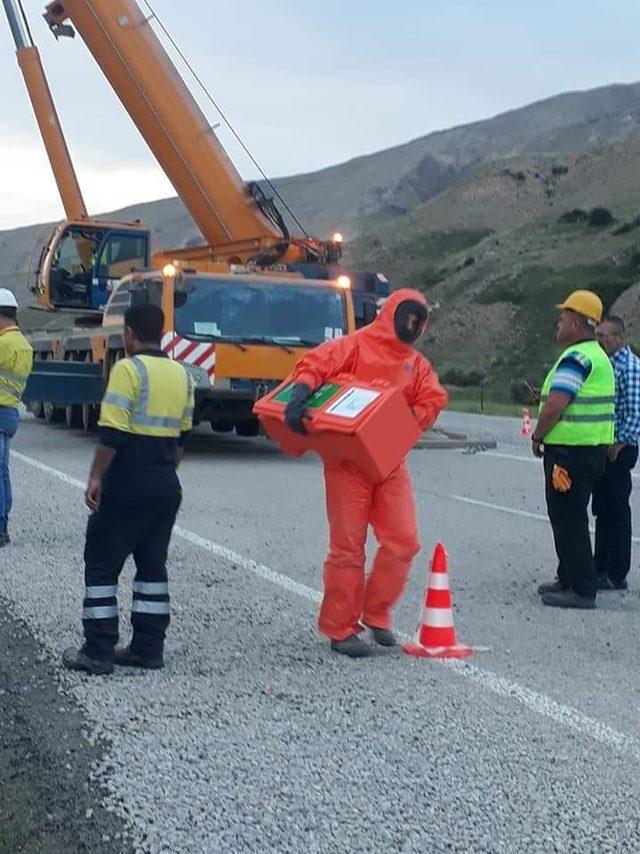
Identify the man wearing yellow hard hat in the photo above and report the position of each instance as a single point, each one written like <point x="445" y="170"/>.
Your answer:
<point x="575" y="426"/>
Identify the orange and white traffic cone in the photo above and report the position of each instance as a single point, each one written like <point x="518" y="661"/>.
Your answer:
<point x="436" y="635"/>
<point x="525" y="430"/>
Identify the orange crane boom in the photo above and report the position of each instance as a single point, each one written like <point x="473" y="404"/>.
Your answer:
<point x="45" y="112"/>
<point x="135" y="63"/>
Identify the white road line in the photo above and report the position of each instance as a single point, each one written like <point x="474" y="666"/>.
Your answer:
<point x="518" y="457"/>
<point x="487" y="504"/>
<point x="538" y="517"/>
<point x="220" y="551"/>
<point x="522" y="459"/>
<point x="533" y="700"/>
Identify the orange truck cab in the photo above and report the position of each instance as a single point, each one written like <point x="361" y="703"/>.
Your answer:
<point x="238" y="334"/>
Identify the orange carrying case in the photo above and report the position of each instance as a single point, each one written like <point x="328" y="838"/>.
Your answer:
<point x="369" y="424"/>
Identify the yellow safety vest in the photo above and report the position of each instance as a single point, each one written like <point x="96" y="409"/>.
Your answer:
<point x="589" y="418"/>
<point x="16" y="362"/>
<point x="148" y="396"/>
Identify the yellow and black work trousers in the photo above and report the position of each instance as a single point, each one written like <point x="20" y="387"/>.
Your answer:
<point x="122" y="528"/>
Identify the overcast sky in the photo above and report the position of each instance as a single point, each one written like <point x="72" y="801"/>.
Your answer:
<point x="309" y="84"/>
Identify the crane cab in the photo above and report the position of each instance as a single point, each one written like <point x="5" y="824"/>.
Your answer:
<point x="84" y="259"/>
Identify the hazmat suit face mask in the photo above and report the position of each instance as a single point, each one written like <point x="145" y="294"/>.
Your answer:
<point x="410" y="320"/>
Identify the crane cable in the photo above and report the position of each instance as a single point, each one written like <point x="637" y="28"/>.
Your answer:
<point x="224" y="118"/>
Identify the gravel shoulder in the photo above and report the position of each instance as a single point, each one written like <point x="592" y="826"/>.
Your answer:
<point x="47" y="803"/>
<point x="255" y="738"/>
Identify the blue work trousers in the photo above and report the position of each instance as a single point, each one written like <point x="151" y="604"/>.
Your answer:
<point x="9" y="419"/>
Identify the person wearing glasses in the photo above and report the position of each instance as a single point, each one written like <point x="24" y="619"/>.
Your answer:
<point x="613" y="491"/>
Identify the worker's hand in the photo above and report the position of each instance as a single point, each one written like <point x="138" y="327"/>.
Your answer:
<point x="537" y="448"/>
<point x="296" y="408"/>
<point x="560" y="479"/>
<point x="92" y="494"/>
<point x="613" y="451"/>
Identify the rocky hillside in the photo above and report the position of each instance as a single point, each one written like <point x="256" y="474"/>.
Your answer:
<point x="496" y="251"/>
<point x="396" y="181"/>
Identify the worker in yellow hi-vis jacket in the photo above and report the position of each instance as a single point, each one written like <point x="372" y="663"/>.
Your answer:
<point x="134" y="495"/>
<point x="16" y="361"/>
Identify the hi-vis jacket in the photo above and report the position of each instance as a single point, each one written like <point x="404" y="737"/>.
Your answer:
<point x="148" y="395"/>
<point x="145" y="415"/>
<point x="589" y="418"/>
<point x="16" y="362"/>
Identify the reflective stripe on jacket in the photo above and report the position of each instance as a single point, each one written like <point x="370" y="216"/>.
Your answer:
<point x="148" y="396"/>
<point x="16" y="362"/>
<point x="589" y="418"/>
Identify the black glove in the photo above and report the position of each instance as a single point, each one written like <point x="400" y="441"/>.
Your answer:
<point x="295" y="410"/>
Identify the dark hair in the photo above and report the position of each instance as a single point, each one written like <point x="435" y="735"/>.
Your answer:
<point x="8" y="311"/>
<point x="585" y="322"/>
<point x="615" y="321"/>
<point x="146" y="322"/>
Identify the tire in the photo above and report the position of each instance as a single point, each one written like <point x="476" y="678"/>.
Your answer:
<point x="222" y="426"/>
<point x="52" y="414"/>
<point x="88" y="418"/>
<point x="88" y="411"/>
<point x="73" y="415"/>
<point x="249" y="428"/>
<point x="36" y="408"/>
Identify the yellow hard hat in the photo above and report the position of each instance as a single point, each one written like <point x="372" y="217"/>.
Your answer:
<point x="586" y="303"/>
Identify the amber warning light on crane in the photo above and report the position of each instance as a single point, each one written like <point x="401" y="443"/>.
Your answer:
<point x="343" y="281"/>
<point x="169" y="271"/>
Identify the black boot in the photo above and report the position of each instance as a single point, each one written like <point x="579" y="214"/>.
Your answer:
<point x="351" y="646"/>
<point x="77" y="659"/>
<point x="551" y="587"/>
<point x="383" y="637"/>
<point x="126" y="658"/>
<point x="568" y="599"/>
<point x="606" y="583"/>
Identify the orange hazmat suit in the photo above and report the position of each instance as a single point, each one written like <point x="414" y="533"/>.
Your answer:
<point x="354" y="502"/>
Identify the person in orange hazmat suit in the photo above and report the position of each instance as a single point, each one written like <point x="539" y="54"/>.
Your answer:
<point x="383" y="350"/>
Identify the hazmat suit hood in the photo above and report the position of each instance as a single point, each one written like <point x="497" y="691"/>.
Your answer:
<point x="383" y="332"/>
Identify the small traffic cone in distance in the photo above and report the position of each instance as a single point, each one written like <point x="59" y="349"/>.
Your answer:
<point x="436" y="636"/>
<point x="525" y="430"/>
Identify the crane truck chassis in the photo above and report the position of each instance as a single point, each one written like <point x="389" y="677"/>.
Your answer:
<point x="237" y="336"/>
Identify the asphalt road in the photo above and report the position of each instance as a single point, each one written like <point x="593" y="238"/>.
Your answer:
<point x="256" y="737"/>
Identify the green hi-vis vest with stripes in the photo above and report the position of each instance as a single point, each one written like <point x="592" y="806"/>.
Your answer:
<point x="589" y="418"/>
<point x="148" y="395"/>
<point x="16" y="361"/>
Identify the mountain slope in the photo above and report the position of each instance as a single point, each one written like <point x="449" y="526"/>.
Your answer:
<point x="494" y="255"/>
<point x="400" y="179"/>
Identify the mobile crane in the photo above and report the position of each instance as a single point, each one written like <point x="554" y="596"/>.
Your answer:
<point x="239" y="309"/>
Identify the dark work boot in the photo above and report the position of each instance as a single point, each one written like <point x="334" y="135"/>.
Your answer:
<point x="77" y="659"/>
<point x="126" y="658"/>
<point x="551" y="587"/>
<point x="568" y="599"/>
<point x="606" y="583"/>
<point x="351" y="646"/>
<point x="383" y="637"/>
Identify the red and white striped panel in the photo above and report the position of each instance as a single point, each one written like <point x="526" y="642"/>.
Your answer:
<point x="202" y="354"/>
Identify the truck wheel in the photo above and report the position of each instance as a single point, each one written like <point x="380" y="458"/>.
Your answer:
<point x="36" y="408"/>
<point x="249" y="428"/>
<point x="88" y="417"/>
<point x="222" y="426"/>
<point x="73" y="416"/>
<point x="52" y="414"/>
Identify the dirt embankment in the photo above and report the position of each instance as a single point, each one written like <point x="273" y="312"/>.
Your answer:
<point x="46" y="801"/>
